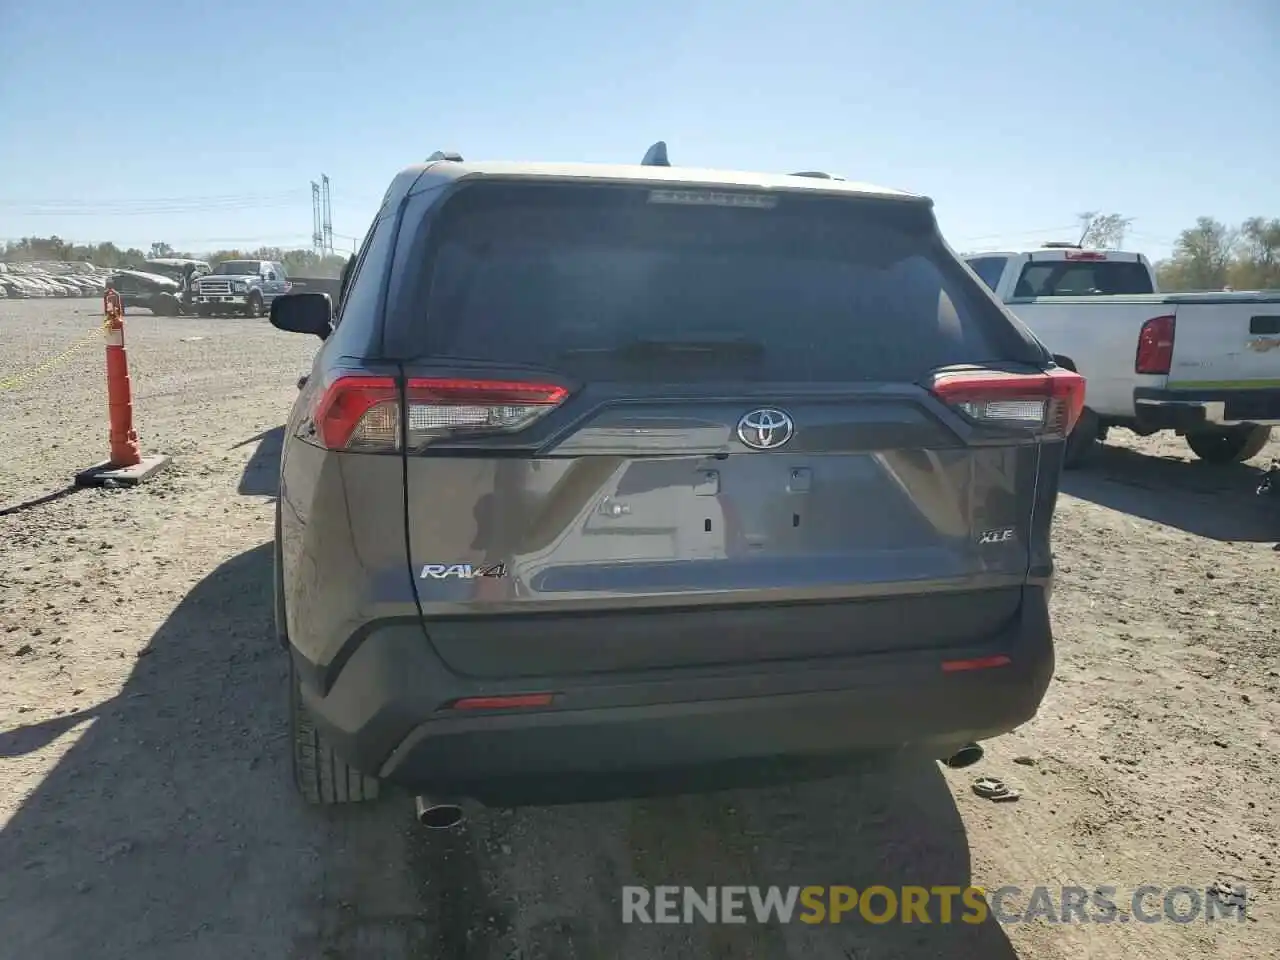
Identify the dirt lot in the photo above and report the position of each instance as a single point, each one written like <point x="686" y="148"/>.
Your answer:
<point x="146" y="810"/>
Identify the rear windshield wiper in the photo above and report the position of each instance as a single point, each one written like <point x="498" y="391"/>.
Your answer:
<point x="677" y="348"/>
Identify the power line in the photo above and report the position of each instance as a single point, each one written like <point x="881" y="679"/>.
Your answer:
<point x="1013" y="234"/>
<point x="149" y="207"/>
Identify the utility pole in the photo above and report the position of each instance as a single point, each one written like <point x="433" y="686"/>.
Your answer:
<point x="326" y="226"/>
<point x="317" y="232"/>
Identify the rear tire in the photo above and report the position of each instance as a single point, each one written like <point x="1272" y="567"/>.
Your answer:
<point x="323" y="778"/>
<point x="1083" y="442"/>
<point x="1230" y="444"/>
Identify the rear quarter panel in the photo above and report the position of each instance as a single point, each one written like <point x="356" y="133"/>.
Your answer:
<point x="1226" y="343"/>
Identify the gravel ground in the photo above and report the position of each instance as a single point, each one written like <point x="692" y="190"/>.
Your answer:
<point x="146" y="809"/>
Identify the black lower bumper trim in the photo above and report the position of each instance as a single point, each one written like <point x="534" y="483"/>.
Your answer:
<point x="387" y="715"/>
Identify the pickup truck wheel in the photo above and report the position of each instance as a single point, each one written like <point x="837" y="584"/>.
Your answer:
<point x="254" y="308"/>
<point x="1083" y="441"/>
<point x="323" y="778"/>
<point x="1229" y="445"/>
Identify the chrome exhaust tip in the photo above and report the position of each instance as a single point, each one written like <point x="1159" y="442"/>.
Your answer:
<point x="437" y="814"/>
<point x="966" y="756"/>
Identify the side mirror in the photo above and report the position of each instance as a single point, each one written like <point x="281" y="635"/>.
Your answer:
<point x="303" y="313"/>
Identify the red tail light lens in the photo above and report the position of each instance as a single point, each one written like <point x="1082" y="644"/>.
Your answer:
<point x="363" y="413"/>
<point x="359" y="412"/>
<point x="1048" y="403"/>
<point x="1155" y="347"/>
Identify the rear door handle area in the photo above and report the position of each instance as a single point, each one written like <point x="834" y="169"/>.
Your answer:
<point x="800" y="480"/>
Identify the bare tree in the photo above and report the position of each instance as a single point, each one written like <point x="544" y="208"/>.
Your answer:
<point x="1103" y="231"/>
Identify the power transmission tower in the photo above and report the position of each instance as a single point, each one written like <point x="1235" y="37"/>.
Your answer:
<point x="327" y="223"/>
<point x="317" y="232"/>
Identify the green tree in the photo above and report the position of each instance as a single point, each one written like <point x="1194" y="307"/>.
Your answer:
<point x="1203" y="256"/>
<point x="1257" y="261"/>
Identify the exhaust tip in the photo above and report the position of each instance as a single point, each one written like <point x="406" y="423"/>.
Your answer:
<point x="435" y="815"/>
<point x="966" y="756"/>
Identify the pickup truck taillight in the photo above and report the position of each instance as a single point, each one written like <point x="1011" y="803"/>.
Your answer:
<point x="1155" y="347"/>
<point x="362" y="413"/>
<point x="1049" y="403"/>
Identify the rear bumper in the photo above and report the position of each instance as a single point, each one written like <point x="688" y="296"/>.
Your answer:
<point x="1186" y="410"/>
<point x="387" y="713"/>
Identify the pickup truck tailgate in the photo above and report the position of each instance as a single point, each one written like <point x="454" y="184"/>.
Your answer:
<point x="1226" y="343"/>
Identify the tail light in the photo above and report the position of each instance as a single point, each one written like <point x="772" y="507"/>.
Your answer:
<point x="363" y="413"/>
<point x="1155" y="346"/>
<point x="1049" y="403"/>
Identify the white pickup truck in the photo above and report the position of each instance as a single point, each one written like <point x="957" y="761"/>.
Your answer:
<point x="1204" y="365"/>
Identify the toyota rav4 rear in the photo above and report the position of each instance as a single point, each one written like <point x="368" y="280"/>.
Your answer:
<point x="605" y="473"/>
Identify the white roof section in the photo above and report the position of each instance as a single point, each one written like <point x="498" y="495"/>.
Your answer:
<point x="637" y="173"/>
<point x="1057" y="253"/>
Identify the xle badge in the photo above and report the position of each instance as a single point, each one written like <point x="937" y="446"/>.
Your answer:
<point x="1003" y="535"/>
<point x="462" y="571"/>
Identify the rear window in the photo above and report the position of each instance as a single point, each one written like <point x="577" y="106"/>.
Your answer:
<point x="1065" y="278"/>
<point x="618" y="283"/>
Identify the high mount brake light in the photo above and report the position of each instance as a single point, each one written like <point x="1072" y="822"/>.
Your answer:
<point x="1085" y="255"/>
<point x="363" y="413"/>
<point x="1155" y="346"/>
<point x="1048" y="403"/>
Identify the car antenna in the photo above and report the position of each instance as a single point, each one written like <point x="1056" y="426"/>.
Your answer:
<point x="656" y="156"/>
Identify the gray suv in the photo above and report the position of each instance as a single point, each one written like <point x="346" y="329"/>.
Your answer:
<point x="638" y="475"/>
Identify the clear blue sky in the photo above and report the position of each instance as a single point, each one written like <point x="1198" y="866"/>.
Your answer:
<point x="203" y="124"/>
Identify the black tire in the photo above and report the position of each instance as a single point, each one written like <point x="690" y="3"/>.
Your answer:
<point x="1083" y="442"/>
<point x="1230" y="444"/>
<point x="322" y="777"/>
<point x="165" y="306"/>
<point x="253" y="309"/>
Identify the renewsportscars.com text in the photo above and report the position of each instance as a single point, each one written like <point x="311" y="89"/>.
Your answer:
<point x="940" y="904"/>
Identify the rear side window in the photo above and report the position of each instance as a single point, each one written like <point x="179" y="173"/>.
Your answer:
<point x="363" y="283"/>
<point x="1065" y="278"/>
<point x="586" y="279"/>
<point x="989" y="269"/>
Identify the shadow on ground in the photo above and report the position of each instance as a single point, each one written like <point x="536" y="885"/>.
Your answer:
<point x="1218" y="502"/>
<point x="261" y="477"/>
<point x="168" y="828"/>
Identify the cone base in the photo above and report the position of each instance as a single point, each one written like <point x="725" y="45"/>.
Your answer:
<point x="104" y="474"/>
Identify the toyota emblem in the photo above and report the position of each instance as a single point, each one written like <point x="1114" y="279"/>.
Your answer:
<point x="765" y="429"/>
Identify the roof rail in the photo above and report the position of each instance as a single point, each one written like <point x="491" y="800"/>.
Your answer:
<point x="1061" y="245"/>
<point x="656" y="156"/>
<point x="451" y="155"/>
